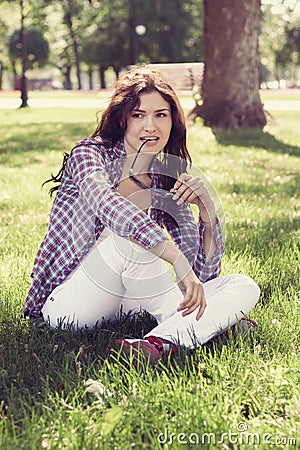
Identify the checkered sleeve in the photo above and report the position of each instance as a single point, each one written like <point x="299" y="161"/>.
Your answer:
<point x="207" y="270"/>
<point x="87" y="169"/>
<point x="188" y="236"/>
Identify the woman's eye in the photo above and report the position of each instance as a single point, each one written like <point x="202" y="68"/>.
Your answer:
<point x="161" y="114"/>
<point x="136" y="115"/>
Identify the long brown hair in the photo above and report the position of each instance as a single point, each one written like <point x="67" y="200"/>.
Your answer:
<point x="126" y="98"/>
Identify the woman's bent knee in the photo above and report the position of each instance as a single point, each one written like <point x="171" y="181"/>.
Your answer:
<point x="248" y="287"/>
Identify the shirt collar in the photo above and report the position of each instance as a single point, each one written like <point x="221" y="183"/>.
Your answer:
<point x="119" y="149"/>
<point x="116" y="150"/>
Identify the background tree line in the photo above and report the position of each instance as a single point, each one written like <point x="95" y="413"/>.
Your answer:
<point x="88" y="36"/>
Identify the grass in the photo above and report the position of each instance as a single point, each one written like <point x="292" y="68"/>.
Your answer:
<point x="62" y="390"/>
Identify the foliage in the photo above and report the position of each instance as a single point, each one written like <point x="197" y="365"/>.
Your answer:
<point x="72" y="390"/>
<point x="37" y="47"/>
<point x="174" y="30"/>
<point x="277" y="44"/>
<point x="102" y="46"/>
<point x="173" y="33"/>
<point x="290" y="51"/>
<point x="7" y="26"/>
<point x="104" y="32"/>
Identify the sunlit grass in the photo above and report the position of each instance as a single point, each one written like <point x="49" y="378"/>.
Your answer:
<point x="250" y="388"/>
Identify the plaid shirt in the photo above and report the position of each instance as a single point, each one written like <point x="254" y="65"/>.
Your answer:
<point x="88" y="200"/>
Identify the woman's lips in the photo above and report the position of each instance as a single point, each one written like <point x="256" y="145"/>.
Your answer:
<point x="149" y="139"/>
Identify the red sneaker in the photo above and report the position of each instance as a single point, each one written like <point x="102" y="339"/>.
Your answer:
<point x="152" y="348"/>
<point x="244" y="326"/>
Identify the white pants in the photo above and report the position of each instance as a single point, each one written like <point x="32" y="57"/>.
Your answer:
<point x="118" y="273"/>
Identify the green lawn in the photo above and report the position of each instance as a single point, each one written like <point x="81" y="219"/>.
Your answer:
<point x="226" y="395"/>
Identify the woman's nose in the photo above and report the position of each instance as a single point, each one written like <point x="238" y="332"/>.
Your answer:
<point x="149" y="124"/>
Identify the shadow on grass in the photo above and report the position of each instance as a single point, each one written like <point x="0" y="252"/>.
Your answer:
<point x="35" y="362"/>
<point x="41" y="137"/>
<point x="271" y="247"/>
<point x="254" y="138"/>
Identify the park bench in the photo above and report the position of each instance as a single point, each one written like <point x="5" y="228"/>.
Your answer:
<point x="35" y="84"/>
<point x="184" y="76"/>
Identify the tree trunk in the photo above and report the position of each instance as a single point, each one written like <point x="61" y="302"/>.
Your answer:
<point x="77" y="60"/>
<point x="69" y="23"/>
<point x="102" y="77"/>
<point x="132" y="33"/>
<point x="67" y="81"/>
<point x="230" y="88"/>
<point x="1" y="75"/>
<point x="90" y="75"/>
<point x="24" y="93"/>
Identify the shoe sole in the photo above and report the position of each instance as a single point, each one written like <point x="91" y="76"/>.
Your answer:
<point x="140" y="349"/>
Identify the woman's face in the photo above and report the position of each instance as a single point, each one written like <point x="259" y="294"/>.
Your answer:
<point x="152" y="119"/>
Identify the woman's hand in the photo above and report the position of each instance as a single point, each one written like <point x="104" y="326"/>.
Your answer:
<point x="189" y="189"/>
<point x="191" y="288"/>
<point x="188" y="283"/>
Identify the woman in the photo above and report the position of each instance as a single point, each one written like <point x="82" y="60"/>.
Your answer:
<point x="106" y="245"/>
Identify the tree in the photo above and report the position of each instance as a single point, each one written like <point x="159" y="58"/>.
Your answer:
<point x="37" y="48"/>
<point x="32" y="49"/>
<point x="71" y="9"/>
<point x="288" y="56"/>
<point x="61" y="47"/>
<point x="24" y="58"/>
<point x="3" y="53"/>
<point x="108" y="43"/>
<point x="293" y="42"/>
<point x="277" y="55"/>
<point x="172" y="33"/>
<point x="103" y="34"/>
<point x="17" y="46"/>
<point x="173" y="30"/>
<point x="230" y="89"/>
<point x="71" y="17"/>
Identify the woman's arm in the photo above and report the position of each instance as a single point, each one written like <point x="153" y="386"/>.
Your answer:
<point x="188" y="282"/>
<point x="192" y="190"/>
<point x="203" y="243"/>
<point x="87" y="171"/>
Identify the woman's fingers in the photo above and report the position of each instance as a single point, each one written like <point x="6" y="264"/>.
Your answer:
<point x="194" y="297"/>
<point x="183" y="177"/>
<point x="190" y="286"/>
<point x="201" y="308"/>
<point x="188" y="189"/>
<point x="192" y="190"/>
